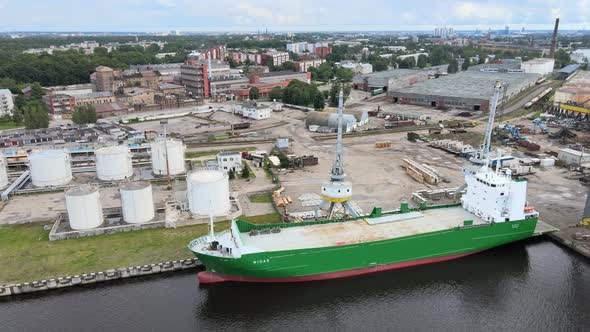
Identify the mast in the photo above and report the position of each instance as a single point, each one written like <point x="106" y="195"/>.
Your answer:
<point x="490" y="127"/>
<point x="337" y="173"/>
<point x="211" y="227"/>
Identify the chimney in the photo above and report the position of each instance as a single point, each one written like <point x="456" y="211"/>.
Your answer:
<point x="554" y="41"/>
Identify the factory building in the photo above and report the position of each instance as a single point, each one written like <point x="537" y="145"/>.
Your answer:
<point x="575" y="91"/>
<point x="229" y="161"/>
<point x="394" y="79"/>
<point x="541" y="66"/>
<point x="470" y="90"/>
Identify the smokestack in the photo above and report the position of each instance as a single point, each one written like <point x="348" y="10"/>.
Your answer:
<point x="554" y="41"/>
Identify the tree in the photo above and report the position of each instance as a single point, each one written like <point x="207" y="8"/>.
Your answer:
<point x="319" y="102"/>
<point x="288" y="65"/>
<point x="466" y="64"/>
<point x="268" y="61"/>
<point x="453" y="67"/>
<point x="84" y="114"/>
<point x="409" y="62"/>
<point x="300" y="93"/>
<point x="231" y="174"/>
<point x="17" y="115"/>
<point x="344" y="74"/>
<point x="232" y="63"/>
<point x="276" y="93"/>
<point x="35" y="116"/>
<point x="245" y="172"/>
<point x="254" y="93"/>
<point x="422" y="61"/>
<point x="562" y="58"/>
<point x="335" y="92"/>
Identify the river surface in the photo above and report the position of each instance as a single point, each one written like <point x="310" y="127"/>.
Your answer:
<point x="532" y="285"/>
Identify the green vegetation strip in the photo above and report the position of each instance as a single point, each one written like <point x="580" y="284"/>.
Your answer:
<point x="198" y="154"/>
<point x="261" y="198"/>
<point x="10" y="125"/>
<point x="26" y="254"/>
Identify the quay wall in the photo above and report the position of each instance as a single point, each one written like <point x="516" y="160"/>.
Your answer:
<point x="96" y="277"/>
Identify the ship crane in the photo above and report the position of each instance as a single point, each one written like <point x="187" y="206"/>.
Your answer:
<point x="337" y="192"/>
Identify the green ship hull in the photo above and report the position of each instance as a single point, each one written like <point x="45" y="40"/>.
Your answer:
<point x="359" y="258"/>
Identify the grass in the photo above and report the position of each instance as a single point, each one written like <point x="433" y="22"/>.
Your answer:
<point x="260" y="198"/>
<point x="26" y="254"/>
<point x="10" y="125"/>
<point x="198" y="154"/>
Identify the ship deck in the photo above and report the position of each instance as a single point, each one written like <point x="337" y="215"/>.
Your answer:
<point x="358" y="231"/>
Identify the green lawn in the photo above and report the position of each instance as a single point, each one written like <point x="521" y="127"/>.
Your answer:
<point x="198" y="154"/>
<point x="260" y="198"/>
<point x="10" y="125"/>
<point x="26" y="254"/>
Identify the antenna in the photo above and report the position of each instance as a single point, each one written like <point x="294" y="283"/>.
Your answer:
<point x="488" y="137"/>
<point x="338" y="168"/>
<point x="211" y="228"/>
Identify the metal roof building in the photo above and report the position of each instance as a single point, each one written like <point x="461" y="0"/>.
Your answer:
<point x="469" y="90"/>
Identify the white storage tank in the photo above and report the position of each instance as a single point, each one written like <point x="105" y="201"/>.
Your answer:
<point x="3" y="173"/>
<point x="208" y="189"/>
<point x="113" y="163"/>
<point x="175" y="150"/>
<point x="84" y="208"/>
<point x="50" y="168"/>
<point x="137" y="202"/>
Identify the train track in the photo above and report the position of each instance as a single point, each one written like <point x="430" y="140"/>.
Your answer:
<point x="374" y="132"/>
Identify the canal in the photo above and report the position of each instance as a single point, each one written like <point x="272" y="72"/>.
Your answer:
<point x="532" y="285"/>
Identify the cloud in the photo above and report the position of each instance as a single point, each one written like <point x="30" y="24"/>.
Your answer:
<point x="292" y="15"/>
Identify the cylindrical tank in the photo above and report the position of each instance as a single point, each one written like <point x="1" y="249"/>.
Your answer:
<point x="137" y="201"/>
<point x="208" y="189"/>
<point x="113" y="163"/>
<point x="3" y="174"/>
<point x="174" y="149"/>
<point x="50" y="168"/>
<point x="84" y="208"/>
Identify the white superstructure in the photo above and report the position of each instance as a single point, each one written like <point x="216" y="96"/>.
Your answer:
<point x="208" y="190"/>
<point x="113" y="163"/>
<point x="172" y="148"/>
<point x="84" y="208"/>
<point x="137" y="202"/>
<point x="492" y="195"/>
<point x="50" y="168"/>
<point x="3" y="174"/>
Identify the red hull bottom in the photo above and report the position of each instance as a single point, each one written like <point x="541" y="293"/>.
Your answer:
<point x="206" y="277"/>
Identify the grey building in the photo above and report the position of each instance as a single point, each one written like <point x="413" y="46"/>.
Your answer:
<point x="470" y="90"/>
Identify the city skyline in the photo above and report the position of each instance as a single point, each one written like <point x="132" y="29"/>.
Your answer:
<point x="303" y="15"/>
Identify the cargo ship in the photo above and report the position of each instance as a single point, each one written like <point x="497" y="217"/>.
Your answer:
<point x="493" y="211"/>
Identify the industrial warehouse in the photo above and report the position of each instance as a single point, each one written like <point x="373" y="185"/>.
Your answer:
<point x="469" y="90"/>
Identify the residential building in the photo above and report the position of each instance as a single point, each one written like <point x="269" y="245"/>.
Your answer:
<point x="320" y="49"/>
<point x="277" y="57"/>
<point x="6" y="102"/>
<point x="303" y="66"/>
<point x="443" y="33"/>
<point x="229" y="161"/>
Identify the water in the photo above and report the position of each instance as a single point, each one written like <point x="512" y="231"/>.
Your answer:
<point x="532" y="285"/>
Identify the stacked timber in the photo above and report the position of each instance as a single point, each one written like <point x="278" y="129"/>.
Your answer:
<point x="420" y="173"/>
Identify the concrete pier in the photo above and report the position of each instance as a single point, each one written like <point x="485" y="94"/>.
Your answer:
<point x="96" y="277"/>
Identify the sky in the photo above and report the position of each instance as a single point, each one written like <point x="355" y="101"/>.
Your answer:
<point x="289" y="15"/>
